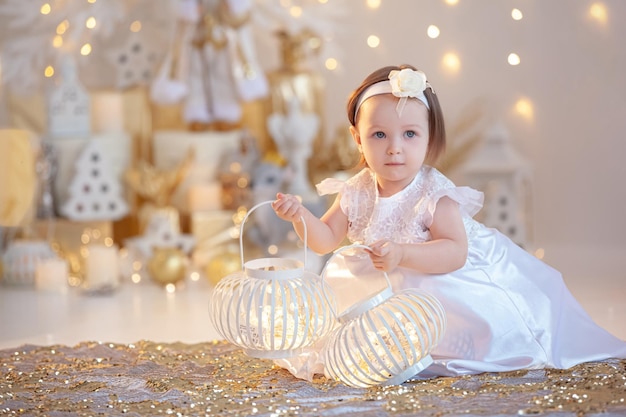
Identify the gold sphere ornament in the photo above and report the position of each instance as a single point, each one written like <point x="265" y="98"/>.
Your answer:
<point x="222" y="265"/>
<point x="167" y="265"/>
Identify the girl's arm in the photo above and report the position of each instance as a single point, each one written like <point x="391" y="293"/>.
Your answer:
<point x="323" y="235"/>
<point x="446" y="252"/>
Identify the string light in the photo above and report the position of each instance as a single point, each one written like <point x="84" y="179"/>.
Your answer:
<point x="524" y="108"/>
<point x="90" y="23"/>
<point x="57" y="41"/>
<point x="432" y="31"/>
<point x="45" y="9"/>
<point x="373" y="4"/>
<point x="373" y="41"/>
<point x="516" y="14"/>
<point x="85" y="49"/>
<point x="598" y="12"/>
<point x="49" y="71"/>
<point x="451" y="62"/>
<point x="452" y="2"/>
<point x="135" y="26"/>
<point x="513" y="59"/>
<point x="295" y="11"/>
<point x="62" y="27"/>
<point x="331" y="64"/>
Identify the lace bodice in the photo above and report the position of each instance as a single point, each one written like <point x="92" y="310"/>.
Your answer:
<point x="404" y="217"/>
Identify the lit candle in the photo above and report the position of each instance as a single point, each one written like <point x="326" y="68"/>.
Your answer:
<point x="101" y="267"/>
<point x="51" y="275"/>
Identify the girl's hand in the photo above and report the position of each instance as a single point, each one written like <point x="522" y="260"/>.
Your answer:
<point x="385" y="255"/>
<point x="288" y="207"/>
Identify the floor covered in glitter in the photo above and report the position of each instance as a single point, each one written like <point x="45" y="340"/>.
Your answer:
<point x="217" y="378"/>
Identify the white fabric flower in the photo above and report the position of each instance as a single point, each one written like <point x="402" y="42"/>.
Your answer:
<point x="407" y="83"/>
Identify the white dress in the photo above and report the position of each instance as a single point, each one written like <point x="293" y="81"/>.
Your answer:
<point x="505" y="309"/>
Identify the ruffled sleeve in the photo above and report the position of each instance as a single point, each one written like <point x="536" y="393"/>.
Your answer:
<point x="330" y="186"/>
<point x="470" y="201"/>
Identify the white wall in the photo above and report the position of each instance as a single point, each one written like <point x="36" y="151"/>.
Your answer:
<point x="572" y="68"/>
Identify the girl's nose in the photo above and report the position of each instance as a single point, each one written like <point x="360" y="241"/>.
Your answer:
<point x="394" y="148"/>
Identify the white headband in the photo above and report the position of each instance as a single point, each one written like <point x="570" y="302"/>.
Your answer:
<point x="402" y="84"/>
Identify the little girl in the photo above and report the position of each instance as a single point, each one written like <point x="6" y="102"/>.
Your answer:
<point x="505" y="309"/>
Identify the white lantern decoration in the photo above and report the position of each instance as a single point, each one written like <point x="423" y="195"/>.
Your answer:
<point x="273" y="308"/>
<point x="386" y="339"/>
<point x="498" y="170"/>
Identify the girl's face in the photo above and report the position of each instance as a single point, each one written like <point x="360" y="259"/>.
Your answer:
<point x="393" y="146"/>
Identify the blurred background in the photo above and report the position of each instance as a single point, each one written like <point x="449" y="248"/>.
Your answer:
<point x="137" y="134"/>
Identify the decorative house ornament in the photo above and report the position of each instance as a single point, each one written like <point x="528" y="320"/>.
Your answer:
<point x="95" y="193"/>
<point x="69" y="105"/>
<point x="386" y="339"/>
<point x="273" y="308"/>
<point x="498" y="170"/>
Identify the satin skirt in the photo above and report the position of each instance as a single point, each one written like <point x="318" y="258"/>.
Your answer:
<point x="507" y="310"/>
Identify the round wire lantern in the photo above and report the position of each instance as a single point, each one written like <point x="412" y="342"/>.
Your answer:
<point x="273" y="308"/>
<point x="386" y="339"/>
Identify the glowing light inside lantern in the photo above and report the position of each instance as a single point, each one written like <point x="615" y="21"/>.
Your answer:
<point x="517" y="14"/>
<point x="373" y="41"/>
<point x="433" y="31"/>
<point x="513" y="59"/>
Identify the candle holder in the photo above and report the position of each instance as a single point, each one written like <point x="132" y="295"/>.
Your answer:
<point x="386" y="339"/>
<point x="273" y="307"/>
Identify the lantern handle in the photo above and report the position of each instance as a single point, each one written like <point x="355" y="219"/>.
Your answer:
<point x="359" y="308"/>
<point x="246" y="218"/>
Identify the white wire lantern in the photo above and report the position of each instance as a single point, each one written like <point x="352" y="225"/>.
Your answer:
<point x="273" y="308"/>
<point x="386" y="339"/>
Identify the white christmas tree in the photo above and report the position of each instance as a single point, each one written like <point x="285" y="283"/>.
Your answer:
<point x="95" y="193"/>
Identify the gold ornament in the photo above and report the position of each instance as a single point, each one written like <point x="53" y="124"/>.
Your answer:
<point x="167" y="265"/>
<point x="221" y="265"/>
<point x="158" y="186"/>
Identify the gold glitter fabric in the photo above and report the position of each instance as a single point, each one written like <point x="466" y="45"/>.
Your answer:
<point x="218" y="379"/>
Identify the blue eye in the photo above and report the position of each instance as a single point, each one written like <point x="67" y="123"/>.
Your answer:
<point x="379" y="135"/>
<point x="410" y="134"/>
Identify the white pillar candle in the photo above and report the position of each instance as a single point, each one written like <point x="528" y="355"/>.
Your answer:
<point x="101" y="267"/>
<point x="51" y="275"/>
<point x="107" y="111"/>
<point x="205" y="197"/>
